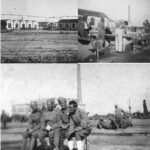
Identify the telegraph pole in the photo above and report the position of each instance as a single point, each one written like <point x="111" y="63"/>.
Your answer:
<point x="129" y="107"/>
<point x="79" y="89"/>
<point x="129" y="15"/>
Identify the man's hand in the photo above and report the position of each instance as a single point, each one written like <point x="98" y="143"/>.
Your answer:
<point x="68" y="134"/>
<point x="30" y="131"/>
<point x="78" y="128"/>
<point x="48" y="127"/>
<point x="64" y="126"/>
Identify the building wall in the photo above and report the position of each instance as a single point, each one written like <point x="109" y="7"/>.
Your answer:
<point x="22" y="109"/>
<point x="21" y="24"/>
<point x="70" y="26"/>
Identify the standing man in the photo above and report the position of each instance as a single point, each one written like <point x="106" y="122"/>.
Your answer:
<point x="119" y="37"/>
<point x="79" y="127"/>
<point x="50" y="126"/>
<point x="34" y="126"/>
<point x="64" y="125"/>
<point x="101" y="32"/>
<point x="119" y="113"/>
<point x="4" y="120"/>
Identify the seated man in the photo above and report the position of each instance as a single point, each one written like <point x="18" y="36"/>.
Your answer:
<point x="79" y="127"/>
<point x="108" y="123"/>
<point x="50" y="126"/>
<point x="64" y="125"/>
<point x="34" y="127"/>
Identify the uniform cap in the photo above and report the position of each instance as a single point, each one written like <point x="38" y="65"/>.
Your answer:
<point x="33" y="103"/>
<point x="61" y="100"/>
<point x="51" y="101"/>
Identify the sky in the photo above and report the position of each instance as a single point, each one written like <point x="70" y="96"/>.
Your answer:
<point x="22" y="83"/>
<point x="104" y="85"/>
<point x="118" y="9"/>
<point x="46" y="8"/>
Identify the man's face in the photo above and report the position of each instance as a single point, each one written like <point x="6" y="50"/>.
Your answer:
<point x="34" y="107"/>
<point x="63" y="105"/>
<point x="50" y="107"/>
<point x="72" y="109"/>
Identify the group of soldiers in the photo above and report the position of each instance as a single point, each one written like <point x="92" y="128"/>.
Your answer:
<point x="121" y="119"/>
<point x="64" y="122"/>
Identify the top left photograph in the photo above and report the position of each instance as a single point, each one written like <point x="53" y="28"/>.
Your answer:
<point x="39" y="31"/>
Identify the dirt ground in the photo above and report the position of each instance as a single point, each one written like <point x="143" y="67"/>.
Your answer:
<point x="138" y="55"/>
<point x="38" y="46"/>
<point x="134" y="138"/>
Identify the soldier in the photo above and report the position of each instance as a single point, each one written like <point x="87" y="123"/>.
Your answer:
<point x="79" y="126"/>
<point x="4" y="120"/>
<point x="119" y="116"/>
<point x="64" y="116"/>
<point x="50" y="126"/>
<point x="34" y="127"/>
<point x="107" y="123"/>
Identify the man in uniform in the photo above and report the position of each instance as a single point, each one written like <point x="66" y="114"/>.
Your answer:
<point x="119" y="116"/>
<point x="107" y="123"/>
<point x="64" y="116"/>
<point x="50" y="126"/>
<point x="4" y="120"/>
<point x="101" y="33"/>
<point x="34" y="127"/>
<point x="79" y="126"/>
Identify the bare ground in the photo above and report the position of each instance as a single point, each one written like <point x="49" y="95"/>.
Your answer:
<point x="37" y="46"/>
<point x="134" y="138"/>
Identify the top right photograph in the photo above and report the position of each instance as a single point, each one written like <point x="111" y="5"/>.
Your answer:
<point x="114" y="31"/>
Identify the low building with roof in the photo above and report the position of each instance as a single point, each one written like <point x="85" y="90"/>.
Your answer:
<point x="68" y="24"/>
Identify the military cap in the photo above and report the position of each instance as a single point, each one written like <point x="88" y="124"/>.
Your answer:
<point x="61" y="100"/>
<point x="51" y="101"/>
<point x="33" y="103"/>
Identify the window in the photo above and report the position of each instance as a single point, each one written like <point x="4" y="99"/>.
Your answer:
<point x="29" y="25"/>
<point x="16" y="25"/>
<point x="92" y="21"/>
<point x="23" y="26"/>
<point x="9" y="25"/>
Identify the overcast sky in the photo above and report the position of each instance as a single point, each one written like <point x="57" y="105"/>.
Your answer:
<point x="118" y="9"/>
<point x="47" y="8"/>
<point x="104" y="85"/>
<point x="22" y="83"/>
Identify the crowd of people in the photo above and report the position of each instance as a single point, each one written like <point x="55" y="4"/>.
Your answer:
<point x="98" y="40"/>
<point x="57" y="123"/>
<point x="63" y="121"/>
<point x="121" y="119"/>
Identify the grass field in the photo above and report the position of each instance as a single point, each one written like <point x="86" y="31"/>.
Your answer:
<point x="134" y="138"/>
<point x="38" y="46"/>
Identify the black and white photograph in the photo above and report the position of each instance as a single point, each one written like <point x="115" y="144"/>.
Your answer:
<point x="39" y="31"/>
<point x="114" y="31"/>
<point x="117" y="99"/>
<point x="75" y="75"/>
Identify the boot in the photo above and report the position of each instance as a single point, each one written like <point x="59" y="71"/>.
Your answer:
<point x="32" y="143"/>
<point x="24" y="144"/>
<point x="80" y="145"/>
<point x="70" y="145"/>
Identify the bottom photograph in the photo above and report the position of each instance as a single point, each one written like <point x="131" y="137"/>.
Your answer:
<point x="75" y="107"/>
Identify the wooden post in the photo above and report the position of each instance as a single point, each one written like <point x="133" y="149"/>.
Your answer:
<point x="97" y="54"/>
<point x="79" y="90"/>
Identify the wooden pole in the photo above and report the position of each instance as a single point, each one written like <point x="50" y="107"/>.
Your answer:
<point x="79" y="89"/>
